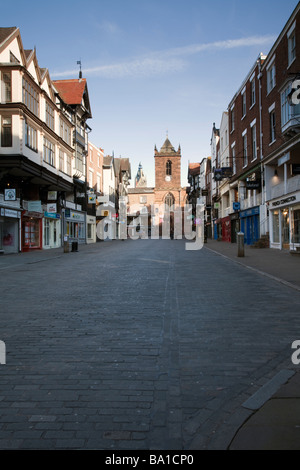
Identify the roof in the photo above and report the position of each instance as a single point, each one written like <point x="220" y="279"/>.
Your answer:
<point x="6" y="32"/>
<point x="167" y="147"/>
<point x="71" y="91"/>
<point x="107" y="161"/>
<point x="141" y="190"/>
<point x="194" y="169"/>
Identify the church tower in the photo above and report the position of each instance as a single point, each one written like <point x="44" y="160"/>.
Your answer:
<point x="168" y="174"/>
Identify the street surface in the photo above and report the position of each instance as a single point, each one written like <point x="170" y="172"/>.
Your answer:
<point x="136" y="345"/>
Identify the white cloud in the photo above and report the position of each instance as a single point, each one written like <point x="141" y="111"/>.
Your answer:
<point x="170" y="60"/>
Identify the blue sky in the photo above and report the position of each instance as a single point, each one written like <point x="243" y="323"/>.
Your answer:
<point x="152" y="66"/>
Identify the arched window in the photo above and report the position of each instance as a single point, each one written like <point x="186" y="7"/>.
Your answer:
<point x="169" y="200"/>
<point x="169" y="168"/>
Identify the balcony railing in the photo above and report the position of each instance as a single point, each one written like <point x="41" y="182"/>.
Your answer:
<point x="292" y="185"/>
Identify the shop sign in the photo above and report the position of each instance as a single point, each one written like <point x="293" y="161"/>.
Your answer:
<point x="92" y="198"/>
<point x="236" y="206"/>
<point x="32" y="214"/>
<point x="75" y="216"/>
<point x="250" y="212"/>
<point x="51" y="215"/>
<point x="52" y="207"/>
<point x="52" y="195"/>
<point x="286" y="200"/>
<point x="253" y="184"/>
<point x="10" y="213"/>
<point x="226" y="171"/>
<point x="34" y="206"/>
<point x="9" y="194"/>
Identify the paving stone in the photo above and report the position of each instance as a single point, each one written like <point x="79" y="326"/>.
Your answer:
<point x="136" y="353"/>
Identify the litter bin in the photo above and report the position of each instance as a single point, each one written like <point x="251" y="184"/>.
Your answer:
<point x="74" y="246"/>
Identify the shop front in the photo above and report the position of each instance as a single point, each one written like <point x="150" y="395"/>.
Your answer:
<point x="9" y="230"/>
<point x="32" y="238"/>
<point x="90" y="229"/>
<point x="285" y="222"/>
<point x="226" y="229"/>
<point x="250" y="225"/>
<point x="51" y="230"/>
<point x="74" y="226"/>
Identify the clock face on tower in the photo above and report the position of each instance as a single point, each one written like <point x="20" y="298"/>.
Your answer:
<point x="168" y="178"/>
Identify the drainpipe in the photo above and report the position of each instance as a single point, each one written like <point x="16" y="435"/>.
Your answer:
<point x="263" y="199"/>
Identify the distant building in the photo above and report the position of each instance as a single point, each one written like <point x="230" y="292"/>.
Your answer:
<point x="167" y="189"/>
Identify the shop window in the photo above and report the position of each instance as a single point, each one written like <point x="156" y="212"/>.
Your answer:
<point x="296" y="226"/>
<point x="47" y="232"/>
<point x="276" y="227"/>
<point x="31" y="233"/>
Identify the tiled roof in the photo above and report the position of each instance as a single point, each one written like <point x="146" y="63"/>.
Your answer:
<point x="6" y="32"/>
<point x="194" y="169"/>
<point x="71" y="91"/>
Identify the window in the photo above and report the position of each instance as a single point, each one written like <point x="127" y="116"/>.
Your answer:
<point x="49" y="116"/>
<point x="5" y="87"/>
<point x="288" y="112"/>
<point x="65" y="131"/>
<point x="79" y="159"/>
<point x="233" y="158"/>
<point x="244" y="104"/>
<point x="169" y="168"/>
<point x="13" y="58"/>
<point x="61" y="160"/>
<point x="69" y="165"/>
<point x="296" y="226"/>
<point x="49" y="152"/>
<point x="252" y="93"/>
<point x="245" y="155"/>
<point x="272" y="126"/>
<point x="6" y="131"/>
<point x="90" y="178"/>
<point x="98" y="183"/>
<point x="30" y="97"/>
<point x="169" y="200"/>
<point x="275" y="227"/>
<point x="271" y="76"/>
<point x="30" y="137"/>
<point x="291" y="35"/>
<point x="253" y="140"/>
<point x="232" y="119"/>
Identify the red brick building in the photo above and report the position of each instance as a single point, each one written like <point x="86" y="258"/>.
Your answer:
<point x="281" y="135"/>
<point x="167" y="188"/>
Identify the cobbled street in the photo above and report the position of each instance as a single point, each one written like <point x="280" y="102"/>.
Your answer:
<point x="136" y="345"/>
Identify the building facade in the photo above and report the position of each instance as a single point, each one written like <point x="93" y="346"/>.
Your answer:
<point x="35" y="154"/>
<point x="281" y="136"/>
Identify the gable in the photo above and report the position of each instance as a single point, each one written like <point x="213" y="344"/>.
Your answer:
<point x="11" y="43"/>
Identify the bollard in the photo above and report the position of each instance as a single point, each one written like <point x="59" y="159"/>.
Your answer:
<point x="240" y="243"/>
